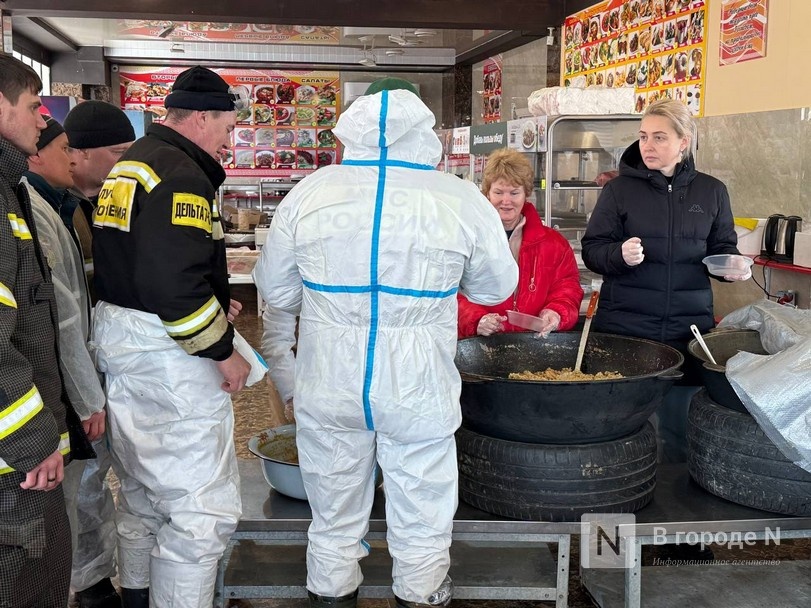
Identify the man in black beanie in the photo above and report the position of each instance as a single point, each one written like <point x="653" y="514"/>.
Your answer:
<point x="162" y="284"/>
<point x="99" y="133"/>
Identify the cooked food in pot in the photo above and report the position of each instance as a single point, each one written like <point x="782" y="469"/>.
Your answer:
<point x="564" y="375"/>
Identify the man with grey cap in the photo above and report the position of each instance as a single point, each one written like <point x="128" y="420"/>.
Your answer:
<point x="165" y="346"/>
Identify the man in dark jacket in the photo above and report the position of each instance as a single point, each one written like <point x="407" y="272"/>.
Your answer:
<point x="34" y="440"/>
<point x="162" y="285"/>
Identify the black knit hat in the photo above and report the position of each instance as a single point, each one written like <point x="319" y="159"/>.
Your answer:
<point x="97" y="124"/>
<point x="51" y="131"/>
<point x="199" y="88"/>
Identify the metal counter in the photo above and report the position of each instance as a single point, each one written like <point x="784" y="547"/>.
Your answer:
<point x="492" y="557"/>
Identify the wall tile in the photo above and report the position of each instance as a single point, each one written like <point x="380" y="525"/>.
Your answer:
<point x="764" y="159"/>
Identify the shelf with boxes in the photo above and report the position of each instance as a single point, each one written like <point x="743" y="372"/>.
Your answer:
<point x="247" y="202"/>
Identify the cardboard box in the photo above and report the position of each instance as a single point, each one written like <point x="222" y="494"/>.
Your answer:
<point x="248" y="219"/>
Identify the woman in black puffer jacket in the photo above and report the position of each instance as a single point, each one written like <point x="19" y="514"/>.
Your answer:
<point x="650" y="229"/>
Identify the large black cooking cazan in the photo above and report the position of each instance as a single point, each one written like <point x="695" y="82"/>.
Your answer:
<point x="562" y="412"/>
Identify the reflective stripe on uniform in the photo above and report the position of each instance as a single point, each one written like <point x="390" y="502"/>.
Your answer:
<point x="64" y="444"/>
<point x="20" y="412"/>
<point x="194" y="322"/>
<point x="19" y="228"/>
<point x="6" y="297"/>
<point x="141" y="172"/>
<point x="63" y="447"/>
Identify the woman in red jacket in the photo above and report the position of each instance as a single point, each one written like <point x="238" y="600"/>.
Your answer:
<point x="548" y="279"/>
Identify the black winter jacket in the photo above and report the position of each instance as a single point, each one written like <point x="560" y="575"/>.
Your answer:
<point x="679" y="224"/>
<point x="158" y="242"/>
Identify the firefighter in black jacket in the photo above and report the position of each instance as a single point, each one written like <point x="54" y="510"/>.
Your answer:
<point x="165" y="345"/>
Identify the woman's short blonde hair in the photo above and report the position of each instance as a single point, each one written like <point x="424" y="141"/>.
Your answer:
<point x="679" y="116"/>
<point x="511" y="166"/>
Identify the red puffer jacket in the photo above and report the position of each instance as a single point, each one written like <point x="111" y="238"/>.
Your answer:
<point x="547" y="278"/>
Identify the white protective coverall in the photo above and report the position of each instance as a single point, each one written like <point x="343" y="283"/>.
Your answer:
<point x="92" y="511"/>
<point x="371" y="254"/>
<point x="278" y="341"/>
<point x="172" y="435"/>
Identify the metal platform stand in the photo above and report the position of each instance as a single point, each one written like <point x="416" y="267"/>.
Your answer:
<point x="491" y="557"/>
<point x="680" y="506"/>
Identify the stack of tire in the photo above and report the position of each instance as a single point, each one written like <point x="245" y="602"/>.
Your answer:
<point x="729" y="455"/>
<point x="550" y="450"/>
<point x="547" y="482"/>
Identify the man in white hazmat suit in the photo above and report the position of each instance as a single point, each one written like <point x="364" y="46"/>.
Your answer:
<point x="371" y="254"/>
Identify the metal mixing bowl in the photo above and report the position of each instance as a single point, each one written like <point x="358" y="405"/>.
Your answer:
<point x="276" y="448"/>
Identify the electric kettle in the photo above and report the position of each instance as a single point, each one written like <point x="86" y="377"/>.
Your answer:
<point x="778" y="236"/>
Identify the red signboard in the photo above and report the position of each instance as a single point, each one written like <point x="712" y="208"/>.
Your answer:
<point x="287" y="128"/>
<point x="491" y="96"/>
<point x="743" y="30"/>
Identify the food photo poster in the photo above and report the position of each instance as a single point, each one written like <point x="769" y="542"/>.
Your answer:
<point x="658" y="47"/>
<point x="286" y="128"/>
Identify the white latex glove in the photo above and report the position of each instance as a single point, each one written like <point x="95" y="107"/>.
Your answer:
<point x="551" y="321"/>
<point x="739" y="263"/>
<point x="490" y="324"/>
<point x="632" y="251"/>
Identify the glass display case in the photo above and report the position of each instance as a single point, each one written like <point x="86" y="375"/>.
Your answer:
<point x="579" y="148"/>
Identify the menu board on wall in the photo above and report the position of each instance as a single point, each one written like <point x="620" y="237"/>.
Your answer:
<point x="287" y="128"/>
<point x="204" y="31"/>
<point x="655" y="46"/>
<point x="491" y="94"/>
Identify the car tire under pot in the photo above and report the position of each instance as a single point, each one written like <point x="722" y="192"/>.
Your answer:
<point x="547" y="482"/>
<point x="730" y="456"/>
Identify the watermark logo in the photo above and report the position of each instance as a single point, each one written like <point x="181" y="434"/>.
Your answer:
<point x="606" y="539"/>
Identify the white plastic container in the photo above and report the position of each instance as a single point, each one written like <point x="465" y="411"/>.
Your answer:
<point x="728" y="264"/>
